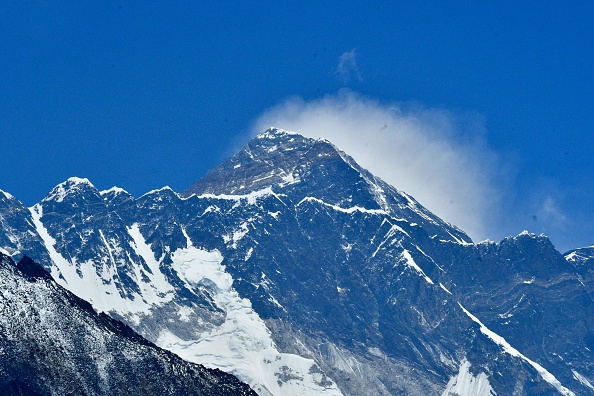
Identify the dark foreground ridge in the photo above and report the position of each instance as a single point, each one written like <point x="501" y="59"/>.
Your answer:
<point x="54" y="343"/>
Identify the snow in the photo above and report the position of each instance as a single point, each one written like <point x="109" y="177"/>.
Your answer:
<point x="238" y="234"/>
<point x="248" y="254"/>
<point x="7" y="195"/>
<point x="444" y="288"/>
<point x="242" y="345"/>
<point x="95" y="282"/>
<point x="251" y="198"/>
<point x="60" y="192"/>
<point x="411" y="263"/>
<point x="166" y="188"/>
<point x="466" y="384"/>
<point x="547" y="376"/>
<point x="274" y="133"/>
<point x="583" y="380"/>
<point x="115" y="190"/>
<point x="158" y="286"/>
<point x="289" y="179"/>
<point x="275" y="214"/>
<point x="571" y="256"/>
<point x="340" y="209"/>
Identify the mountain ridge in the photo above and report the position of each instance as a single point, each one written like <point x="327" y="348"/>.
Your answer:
<point x="348" y="293"/>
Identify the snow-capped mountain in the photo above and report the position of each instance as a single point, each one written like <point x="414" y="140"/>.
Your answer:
<point x="54" y="343"/>
<point x="295" y="269"/>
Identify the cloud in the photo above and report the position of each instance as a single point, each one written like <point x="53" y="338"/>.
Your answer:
<point x="436" y="156"/>
<point x="551" y="212"/>
<point x="347" y="66"/>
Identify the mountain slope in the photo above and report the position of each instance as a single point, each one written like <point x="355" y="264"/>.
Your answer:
<point x="298" y="271"/>
<point x="52" y="342"/>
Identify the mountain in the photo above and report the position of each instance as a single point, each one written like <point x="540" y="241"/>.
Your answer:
<point x="54" y="343"/>
<point x="583" y="260"/>
<point x="299" y="272"/>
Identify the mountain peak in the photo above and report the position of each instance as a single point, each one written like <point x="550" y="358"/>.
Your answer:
<point x="72" y="185"/>
<point x="300" y="167"/>
<point x="275" y="133"/>
<point x="274" y="158"/>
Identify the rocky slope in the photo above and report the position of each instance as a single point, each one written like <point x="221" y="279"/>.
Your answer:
<point x="54" y="343"/>
<point x="300" y="272"/>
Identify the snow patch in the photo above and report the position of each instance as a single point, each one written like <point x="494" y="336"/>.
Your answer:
<point x="251" y="198"/>
<point x="444" y="288"/>
<point x="114" y="190"/>
<point x="274" y="133"/>
<point x="242" y="345"/>
<point x="7" y="195"/>
<point x="60" y="192"/>
<point x="496" y="338"/>
<point x="166" y="188"/>
<point x="411" y="263"/>
<point x="340" y="209"/>
<point x="583" y="380"/>
<point x="466" y="384"/>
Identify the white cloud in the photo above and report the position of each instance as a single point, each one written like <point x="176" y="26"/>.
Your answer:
<point x="347" y="66"/>
<point x="551" y="213"/>
<point x="432" y="154"/>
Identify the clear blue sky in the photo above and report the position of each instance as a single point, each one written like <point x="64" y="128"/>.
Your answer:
<point x="147" y="94"/>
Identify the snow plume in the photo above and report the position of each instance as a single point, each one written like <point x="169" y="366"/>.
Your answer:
<point x="438" y="157"/>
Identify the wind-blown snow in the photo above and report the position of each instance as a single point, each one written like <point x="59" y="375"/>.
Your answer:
<point x="242" y="345"/>
<point x="547" y="376"/>
<point x="466" y="384"/>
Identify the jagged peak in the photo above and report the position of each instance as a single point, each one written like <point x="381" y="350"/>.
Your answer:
<point x="72" y="184"/>
<point x="275" y="133"/>
<point x="7" y="195"/>
<point x="165" y="189"/>
<point x="114" y="191"/>
<point x="74" y="181"/>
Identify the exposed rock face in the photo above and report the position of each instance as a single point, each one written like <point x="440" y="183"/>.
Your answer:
<point x="54" y="343"/>
<point x="300" y="272"/>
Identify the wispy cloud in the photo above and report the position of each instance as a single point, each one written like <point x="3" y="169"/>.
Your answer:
<point x="347" y="66"/>
<point x="551" y="213"/>
<point x="438" y="157"/>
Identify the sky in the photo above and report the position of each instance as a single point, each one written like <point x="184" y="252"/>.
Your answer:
<point x="480" y="110"/>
